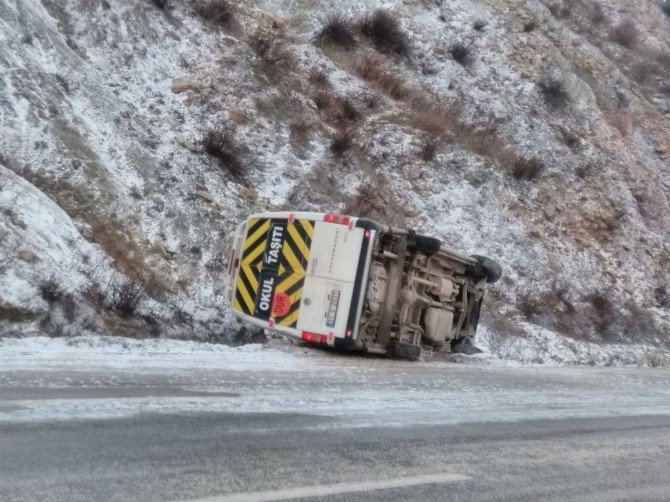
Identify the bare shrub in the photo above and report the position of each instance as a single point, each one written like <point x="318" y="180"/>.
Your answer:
<point x="554" y="91"/>
<point x="126" y="297"/>
<point x="429" y="149"/>
<point x="479" y="25"/>
<point x="274" y="53"/>
<point x="161" y="4"/>
<point x="383" y="29"/>
<point x="300" y="130"/>
<point x="50" y="291"/>
<point x="559" y="10"/>
<point x="220" y="143"/>
<point x="640" y="72"/>
<point x="336" y="30"/>
<point x="217" y="11"/>
<point x="349" y="111"/>
<point x="625" y="34"/>
<point x="526" y="168"/>
<point x="318" y="77"/>
<point x="368" y="202"/>
<point x="341" y="142"/>
<point x="655" y="359"/>
<point x="529" y="26"/>
<point x="597" y="14"/>
<point x="604" y="310"/>
<point x="461" y="54"/>
<point x="374" y="71"/>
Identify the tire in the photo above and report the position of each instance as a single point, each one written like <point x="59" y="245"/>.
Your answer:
<point x="490" y="268"/>
<point x="424" y="244"/>
<point x="404" y="350"/>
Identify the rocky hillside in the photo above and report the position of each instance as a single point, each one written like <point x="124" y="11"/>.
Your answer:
<point x="136" y="134"/>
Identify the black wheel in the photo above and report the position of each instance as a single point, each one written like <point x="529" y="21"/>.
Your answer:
<point x="490" y="268"/>
<point x="424" y="244"/>
<point x="404" y="350"/>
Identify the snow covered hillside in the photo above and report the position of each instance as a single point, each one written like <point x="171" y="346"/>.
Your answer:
<point x="136" y="134"/>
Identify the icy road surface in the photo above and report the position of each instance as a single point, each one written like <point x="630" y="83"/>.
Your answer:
<point x="114" y="419"/>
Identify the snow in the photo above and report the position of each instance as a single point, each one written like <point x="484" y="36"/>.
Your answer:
<point x="344" y="392"/>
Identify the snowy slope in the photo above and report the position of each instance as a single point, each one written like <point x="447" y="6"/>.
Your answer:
<point x="104" y="177"/>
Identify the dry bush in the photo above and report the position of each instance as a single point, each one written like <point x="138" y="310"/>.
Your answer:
<point x="383" y="29"/>
<point x="560" y="11"/>
<point x="374" y="71"/>
<point x="429" y="149"/>
<point x="161" y="4"/>
<point x="276" y="57"/>
<point x="341" y="142"/>
<point x="656" y="359"/>
<point x="126" y="297"/>
<point x="336" y="29"/>
<point x="220" y="143"/>
<point x="300" y="129"/>
<point x="461" y="54"/>
<point x="50" y="291"/>
<point x="217" y="11"/>
<point x="640" y="72"/>
<point x="529" y="26"/>
<point x="479" y="25"/>
<point x="526" y="168"/>
<point x="554" y="91"/>
<point x="368" y="202"/>
<point x="597" y="14"/>
<point x="625" y="34"/>
<point x="318" y="77"/>
<point x="349" y="111"/>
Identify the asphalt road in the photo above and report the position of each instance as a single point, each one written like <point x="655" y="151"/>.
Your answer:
<point x="297" y="426"/>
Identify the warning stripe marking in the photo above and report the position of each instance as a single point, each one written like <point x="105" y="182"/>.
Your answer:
<point x="250" y="266"/>
<point x="297" y="240"/>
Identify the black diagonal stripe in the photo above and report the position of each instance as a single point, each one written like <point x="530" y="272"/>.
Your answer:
<point x="256" y="271"/>
<point x="258" y="242"/>
<point x="259" y="223"/>
<point x="302" y="233"/>
<point x="295" y="287"/>
<point x="247" y="285"/>
<point x="240" y="300"/>
<point x="296" y="251"/>
<point x="311" y="227"/>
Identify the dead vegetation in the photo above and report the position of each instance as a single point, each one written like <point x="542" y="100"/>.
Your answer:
<point x="385" y="33"/>
<point x="336" y="29"/>
<point x="373" y="70"/>
<point x="318" y="77"/>
<point x="276" y="58"/>
<point x="461" y="54"/>
<point x="220" y="143"/>
<point x="429" y="148"/>
<point x="342" y="142"/>
<point x="526" y="168"/>
<point x="218" y="12"/>
<point x="554" y="90"/>
<point x="625" y="34"/>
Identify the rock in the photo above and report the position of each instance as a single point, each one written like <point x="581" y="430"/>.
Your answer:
<point x="204" y="194"/>
<point x="247" y="194"/>
<point x="27" y="256"/>
<point x="188" y="144"/>
<point x="180" y="85"/>
<point x="237" y="116"/>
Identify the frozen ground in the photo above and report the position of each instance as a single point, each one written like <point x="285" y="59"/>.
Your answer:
<point x="93" y="378"/>
<point x="114" y="419"/>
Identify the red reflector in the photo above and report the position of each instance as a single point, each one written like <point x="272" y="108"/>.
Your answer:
<point x="348" y="333"/>
<point x="336" y="218"/>
<point x="237" y="262"/>
<point x="367" y="234"/>
<point x="314" y="338"/>
<point x="291" y="218"/>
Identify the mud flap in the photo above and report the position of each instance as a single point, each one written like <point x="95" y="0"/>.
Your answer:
<point x="464" y="346"/>
<point x="403" y="350"/>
